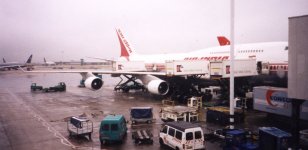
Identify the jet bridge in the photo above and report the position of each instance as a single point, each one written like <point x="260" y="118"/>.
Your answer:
<point x="174" y="70"/>
<point x="211" y="69"/>
<point x="242" y="68"/>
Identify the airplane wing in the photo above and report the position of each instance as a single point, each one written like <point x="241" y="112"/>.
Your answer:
<point x="107" y="60"/>
<point x="99" y="72"/>
<point x="152" y="81"/>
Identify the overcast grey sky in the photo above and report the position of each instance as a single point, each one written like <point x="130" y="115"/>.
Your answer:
<point x="74" y="29"/>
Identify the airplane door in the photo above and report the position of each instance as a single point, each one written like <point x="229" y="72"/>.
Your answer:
<point x="259" y="67"/>
<point x="198" y="142"/>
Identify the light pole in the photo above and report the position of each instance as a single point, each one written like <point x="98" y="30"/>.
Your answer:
<point x="232" y="65"/>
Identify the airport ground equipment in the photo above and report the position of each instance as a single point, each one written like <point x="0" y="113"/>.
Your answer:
<point x="274" y="139"/>
<point x="219" y="135"/>
<point x="35" y="87"/>
<point x="220" y="115"/>
<point x="141" y="114"/>
<point x="189" y="113"/>
<point x="211" y="92"/>
<point x="142" y="137"/>
<point x="60" y="87"/>
<point x="237" y="139"/>
<point x="112" y="129"/>
<point x="129" y="84"/>
<point x="80" y="126"/>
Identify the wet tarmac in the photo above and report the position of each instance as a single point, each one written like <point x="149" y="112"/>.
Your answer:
<point x="36" y="120"/>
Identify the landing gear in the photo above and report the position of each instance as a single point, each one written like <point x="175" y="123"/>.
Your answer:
<point x="81" y="84"/>
<point x="129" y="84"/>
<point x="183" y="88"/>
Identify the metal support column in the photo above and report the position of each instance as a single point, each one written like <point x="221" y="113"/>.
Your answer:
<point x="296" y="104"/>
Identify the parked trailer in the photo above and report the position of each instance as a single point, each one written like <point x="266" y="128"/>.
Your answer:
<point x="275" y="100"/>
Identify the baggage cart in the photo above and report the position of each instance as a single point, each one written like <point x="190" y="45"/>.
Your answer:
<point x="142" y="137"/>
<point x="141" y="114"/>
<point x="80" y="126"/>
<point x="274" y="138"/>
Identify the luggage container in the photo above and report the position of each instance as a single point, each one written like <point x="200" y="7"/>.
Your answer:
<point x="80" y="126"/>
<point x="237" y="139"/>
<point x="141" y="114"/>
<point x="220" y="115"/>
<point x="274" y="139"/>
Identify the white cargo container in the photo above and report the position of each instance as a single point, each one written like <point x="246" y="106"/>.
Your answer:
<point x="128" y="66"/>
<point x="184" y="67"/>
<point x="275" y="100"/>
<point x="244" y="67"/>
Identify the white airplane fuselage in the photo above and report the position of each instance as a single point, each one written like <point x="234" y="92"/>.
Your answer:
<point x="272" y="52"/>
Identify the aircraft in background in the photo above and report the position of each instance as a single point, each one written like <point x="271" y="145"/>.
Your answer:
<point x="49" y="63"/>
<point x="16" y="65"/>
<point x="266" y="54"/>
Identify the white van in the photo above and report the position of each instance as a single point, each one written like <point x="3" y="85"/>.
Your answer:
<point x="182" y="136"/>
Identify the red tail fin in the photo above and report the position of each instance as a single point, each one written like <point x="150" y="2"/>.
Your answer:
<point x="223" y="41"/>
<point x="126" y="50"/>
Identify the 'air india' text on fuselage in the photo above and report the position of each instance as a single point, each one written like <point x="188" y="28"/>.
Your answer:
<point x="208" y="58"/>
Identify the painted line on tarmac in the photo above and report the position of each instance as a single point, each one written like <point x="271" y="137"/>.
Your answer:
<point x="58" y="135"/>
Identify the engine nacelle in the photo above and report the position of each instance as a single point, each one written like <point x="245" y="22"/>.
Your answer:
<point x="93" y="83"/>
<point x="158" y="87"/>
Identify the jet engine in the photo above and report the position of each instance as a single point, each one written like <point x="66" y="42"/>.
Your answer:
<point x="158" y="87"/>
<point x="93" y="83"/>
